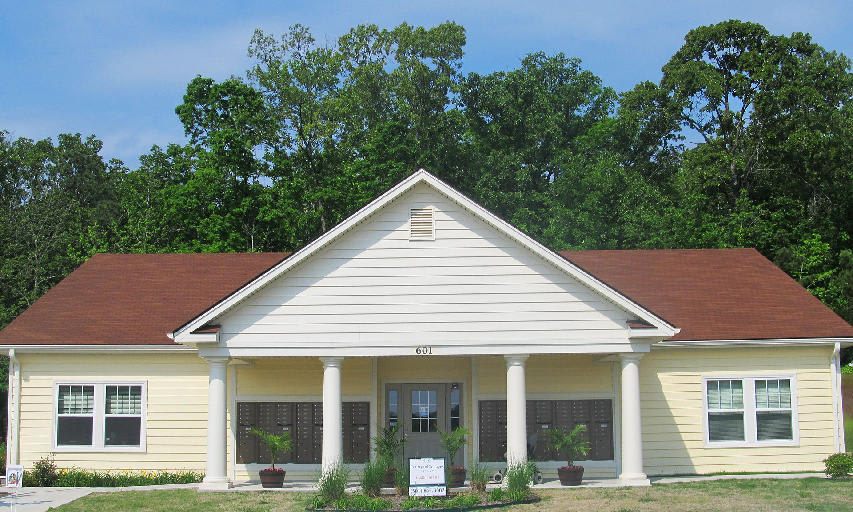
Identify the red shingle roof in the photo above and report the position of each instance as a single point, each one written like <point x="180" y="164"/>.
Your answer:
<point x="715" y="294"/>
<point x="118" y="299"/>
<point x="133" y="299"/>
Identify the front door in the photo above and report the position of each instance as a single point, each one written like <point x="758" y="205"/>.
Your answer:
<point x="423" y="410"/>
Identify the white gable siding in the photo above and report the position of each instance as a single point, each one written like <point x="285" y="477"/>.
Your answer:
<point x="374" y="287"/>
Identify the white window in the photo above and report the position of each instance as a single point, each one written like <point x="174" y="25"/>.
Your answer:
<point x="99" y="417"/>
<point x="750" y="411"/>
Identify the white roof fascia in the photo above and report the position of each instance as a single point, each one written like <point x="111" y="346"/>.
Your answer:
<point x="753" y="343"/>
<point x="23" y="349"/>
<point x="662" y="328"/>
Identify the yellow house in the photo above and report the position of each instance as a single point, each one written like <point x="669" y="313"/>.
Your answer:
<point x="427" y="311"/>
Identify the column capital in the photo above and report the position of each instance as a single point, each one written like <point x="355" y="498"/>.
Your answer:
<point x="332" y="362"/>
<point x="631" y="356"/>
<point x="516" y="359"/>
<point x="217" y="360"/>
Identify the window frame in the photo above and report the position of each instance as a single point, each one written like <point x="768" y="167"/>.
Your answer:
<point x="750" y="412"/>
<point x="99" y="418"/>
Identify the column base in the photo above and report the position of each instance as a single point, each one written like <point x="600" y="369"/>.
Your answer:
<point x="634" y="480"/>
<point x="214" y="484"/>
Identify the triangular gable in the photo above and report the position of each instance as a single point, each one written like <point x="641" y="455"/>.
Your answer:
<point x="660" y="328"/>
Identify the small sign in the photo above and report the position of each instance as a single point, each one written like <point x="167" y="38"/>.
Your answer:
<point x="426" y="477"/>
<point x="14" y="476"/>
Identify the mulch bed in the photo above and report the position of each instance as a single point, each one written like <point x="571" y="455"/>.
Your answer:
<point x="397" y="501"/>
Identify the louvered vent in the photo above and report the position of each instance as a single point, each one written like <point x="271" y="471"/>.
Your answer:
<point x="421" y="224"/>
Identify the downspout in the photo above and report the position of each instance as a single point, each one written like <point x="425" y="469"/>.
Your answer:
<point x="837" y="406"/>
<point x="13" y="408"/>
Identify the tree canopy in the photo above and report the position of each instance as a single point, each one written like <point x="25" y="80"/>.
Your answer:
<point x="747" y="140"/>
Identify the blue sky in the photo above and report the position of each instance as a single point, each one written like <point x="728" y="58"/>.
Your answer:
<point x="118" y="69"/>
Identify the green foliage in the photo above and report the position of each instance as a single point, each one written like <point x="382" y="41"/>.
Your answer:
<point x="838" y="465"/>
<point x="389" y="445"/>
<point x="518" y="478"/>
<point x="81" y="478"/>
<point x="847" y="369"/>
<point x="43" y="474"/>
<point x="479" y="476"/>
<point x="332" y="484"/>
<point x="453" y="441"/>
<point x="570" y="445"/>
<point x="401" y="479"/>
<point x="372" y="477"/>
<point x="275" y="442"/>
<point x="3" y="458"/>
<point x="496" y="494"/>
<point x="361" y="502"/>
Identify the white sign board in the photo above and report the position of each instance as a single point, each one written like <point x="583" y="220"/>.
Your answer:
<point x="426" y="477"/>
<point x="14" y="476"/>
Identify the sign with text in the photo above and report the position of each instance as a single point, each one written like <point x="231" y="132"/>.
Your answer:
<point x="14" y="476"/>
<point x="426" y="477"/>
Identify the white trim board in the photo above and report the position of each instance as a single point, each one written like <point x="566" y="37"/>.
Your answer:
<point x="661" y="327"/>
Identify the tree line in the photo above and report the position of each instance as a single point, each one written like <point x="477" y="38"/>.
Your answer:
<point x="745" y="141"/>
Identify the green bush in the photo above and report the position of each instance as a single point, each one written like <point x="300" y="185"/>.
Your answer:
<point x="496" y="494"/>
<point x="479" y="476"/>
<point x="332" y="484"/>
<point x="518" y="478"/>
<point x="43" y="474"/>
<point x="80" y="478"/>
<point x="838" y="465"/>
<point x="410" y="503"/>
<point x="463" y="500"/>
<point x="401" y="480"/>
<point x="2" y="458"/>
<point x="847" y="369"/>
<point x="363" y="502"/>
<point x="372" y="477"/>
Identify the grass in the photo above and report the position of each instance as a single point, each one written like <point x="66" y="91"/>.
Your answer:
<point x="809" y="494"/>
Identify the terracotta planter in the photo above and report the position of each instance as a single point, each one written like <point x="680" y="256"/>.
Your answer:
<point x="570" y="475"/>
<point x="271" y="479"/>
<point x="457" y="477"/>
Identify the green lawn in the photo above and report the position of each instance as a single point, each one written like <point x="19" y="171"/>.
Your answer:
<point x="811" y="494"/>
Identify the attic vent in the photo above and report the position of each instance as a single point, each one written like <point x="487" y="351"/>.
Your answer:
<point x="421" y="224"/>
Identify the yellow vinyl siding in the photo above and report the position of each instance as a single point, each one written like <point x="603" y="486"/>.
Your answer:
<point x="295" y="377"/>
<point x="673" y="415"/>
<point x="176" y="408"/>
<point x="552" y="374"/>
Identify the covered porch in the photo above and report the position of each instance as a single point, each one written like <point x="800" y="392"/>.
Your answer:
<point x="333" y="406"/>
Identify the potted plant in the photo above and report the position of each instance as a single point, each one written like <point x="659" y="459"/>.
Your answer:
<point x="389" y="449"/>
<point x="570" y="445"/>
<point x="273" y="477"/>
<point x="452" y="442"/>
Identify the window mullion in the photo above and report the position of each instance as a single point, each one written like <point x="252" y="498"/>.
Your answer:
<point x="749" y="410"/>
<point x="99" y="419"/>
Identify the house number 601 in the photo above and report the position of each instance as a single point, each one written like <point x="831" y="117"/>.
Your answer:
<point x="423" y="351"/>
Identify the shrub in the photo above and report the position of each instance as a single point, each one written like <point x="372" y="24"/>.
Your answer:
<point x="332" y="484"/>
<point x="410" y="503"/>
<point x="372" y="477"/>
<point x="389" y="445"/>
<point x="452" y="442"/>
<point x="571" y="445"/>
<point x="518" y="478"/>
<point x="401" y="480"/>
<point x="2" y="458"/>
<point x="847" y="369"/>
<point x="479" y="476"/>
<point x="81" y="478"/>
<point x="363" y="502"/>
<point x="43" y="474"/>
<point x="496" y="494"/>
<point x="838" y="465"/>
<point x="463" y="500"/>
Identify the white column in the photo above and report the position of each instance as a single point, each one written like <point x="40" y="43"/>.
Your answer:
<point x="216" y="477"/>
<point x="632" y="438"/>
<point x="516" y="410"/>
<point x="332" y="431"/>
<point x="13" y="410"/>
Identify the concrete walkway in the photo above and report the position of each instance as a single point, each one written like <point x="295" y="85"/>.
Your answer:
<point x="698" y="478"/>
